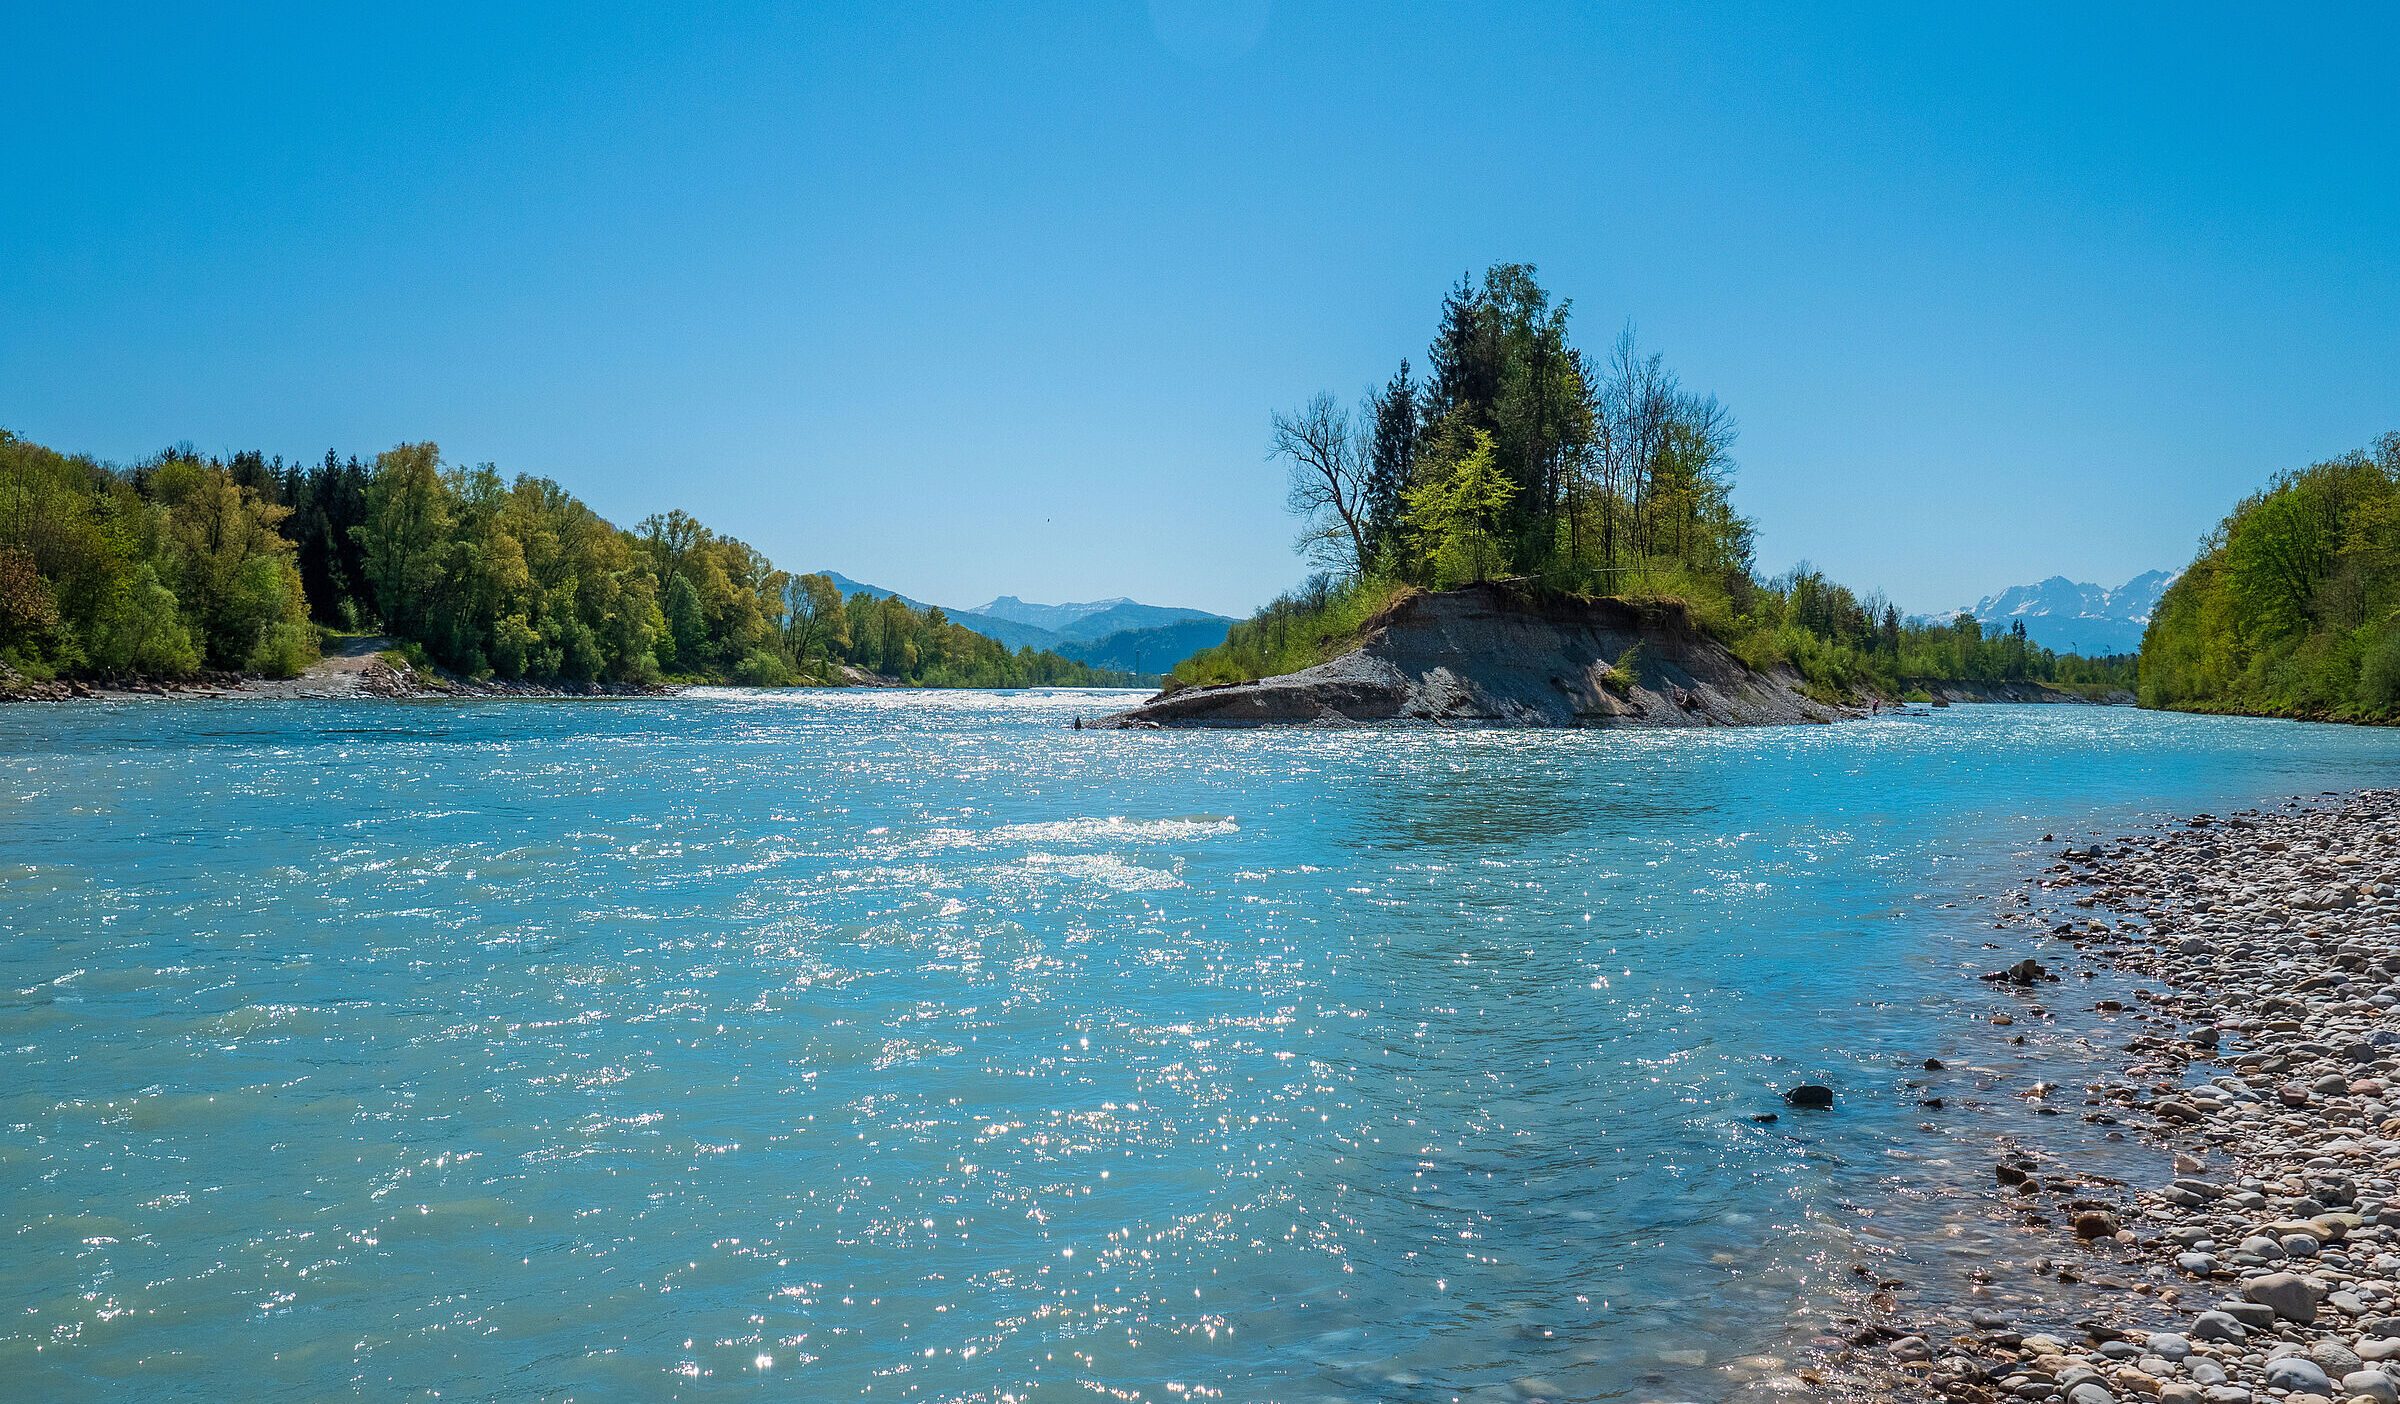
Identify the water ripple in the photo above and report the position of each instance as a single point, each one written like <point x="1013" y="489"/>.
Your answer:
<point x="888" y="1044"/>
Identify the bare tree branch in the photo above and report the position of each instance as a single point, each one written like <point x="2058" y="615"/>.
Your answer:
<point x="1328" y="482"/>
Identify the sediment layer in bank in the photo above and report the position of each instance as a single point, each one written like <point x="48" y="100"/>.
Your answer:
<point x="1507" y="654"/>
<point x="1497" y="654"/>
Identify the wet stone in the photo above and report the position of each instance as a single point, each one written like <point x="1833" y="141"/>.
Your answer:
<point x="2298" y="1373"/>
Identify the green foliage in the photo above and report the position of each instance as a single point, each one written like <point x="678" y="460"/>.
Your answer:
<point x="2292" y="607"/>
<point x="816" y="625"/>
<point x="687" y="630"/>
<point x="405" y="535"/>
<point x="1458" y="509"/>
<point x="178" y="561"/>
<point x="1625" y="672"/>
<point x="1586" y="477"/>
<point x="2379" y="674"/>
<point x="266" y="606"/>
<point x="1321" y="620"/>
<point x="28" y="613"/>
<point x="764" y="669"/>
<point x="153" y="570"/>
<point x="1523" y="455"/>
<point x="284" y="651"/>
<point x="1761" y="649"/>
<point x="139" y="630"/>
<point x="516" y="579"/>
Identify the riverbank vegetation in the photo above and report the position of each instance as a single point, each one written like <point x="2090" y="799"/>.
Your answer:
<point x="1517" y="455"/>
<point x="2293" y="606"/>
<point x="181" y="562"/>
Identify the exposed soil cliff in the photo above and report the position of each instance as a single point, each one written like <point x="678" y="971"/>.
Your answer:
<point x="1494" y="655"/>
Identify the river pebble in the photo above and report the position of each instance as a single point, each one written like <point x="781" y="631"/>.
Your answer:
<point x="2268" y="944"/>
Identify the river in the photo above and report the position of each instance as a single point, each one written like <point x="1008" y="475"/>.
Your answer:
<point x="910" y="1045"/>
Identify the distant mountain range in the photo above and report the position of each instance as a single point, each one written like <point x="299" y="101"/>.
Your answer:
<point x="2065" y="615"/>
<point x="1122" y="634"/>
<point x="1091" y="621"/>
<point x="2071" y="617"/>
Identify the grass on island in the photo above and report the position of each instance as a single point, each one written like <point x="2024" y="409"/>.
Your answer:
<point x="1844" y="649"/>
<point x="1317" y="623"/>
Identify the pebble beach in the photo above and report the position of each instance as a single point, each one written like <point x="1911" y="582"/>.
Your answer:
<point x="2263" y="1262"/>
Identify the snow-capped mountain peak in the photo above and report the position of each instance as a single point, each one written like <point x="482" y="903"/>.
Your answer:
<point x="2071" y="616"/>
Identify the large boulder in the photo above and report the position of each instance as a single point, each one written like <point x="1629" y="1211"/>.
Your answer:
<point x="2299" y="1374"/>
<point x="2219" y="1326"/>
<point x="2288" y="1295"/>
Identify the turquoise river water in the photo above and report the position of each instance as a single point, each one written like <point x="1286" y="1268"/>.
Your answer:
<point x="911" y="1046"/>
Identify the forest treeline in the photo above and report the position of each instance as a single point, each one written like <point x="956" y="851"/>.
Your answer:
<point x="1516" y="454"/>
<point x="181" y="562"/>
<point x="2292" y="607"/>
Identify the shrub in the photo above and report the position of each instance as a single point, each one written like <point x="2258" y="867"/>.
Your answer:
<point x="1625" y="672"/>
<point x="2379" y="674"/>
<point x="1761" y="650"/>
<point x="643" y="671"/>
<point x="763" y="669"/>
<point x="141" y="630"/>
<point x="1702" y="594"/>
<point x="284" y="651"/>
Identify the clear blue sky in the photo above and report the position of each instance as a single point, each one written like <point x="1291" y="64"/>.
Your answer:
<point x="996" y="298"/>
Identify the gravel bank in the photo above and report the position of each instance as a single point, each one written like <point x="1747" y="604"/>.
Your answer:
<point x="360" y="667"/>
<point x="2268" y="950"/>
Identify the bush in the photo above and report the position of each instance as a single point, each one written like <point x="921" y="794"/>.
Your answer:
<point x="410" y="654"/>
<point x="1829" y="671"/>
<point x="29" y="666"/>
<point x="643" y="671"/>
<point x="1625" y="672"/>
<point x="2379" y="674"/>
<point x="284" y="651"/>
<point x="140" y="630"/>
<point x="763" y="669"/>
<point x="1761" y="650"/>
<point x="1702" y="594"/>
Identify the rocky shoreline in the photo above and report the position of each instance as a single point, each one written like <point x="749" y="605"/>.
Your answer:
<point x="375" y="680"/>
<point x="358" y="666"/>
<point x="2265" y="1267"/>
